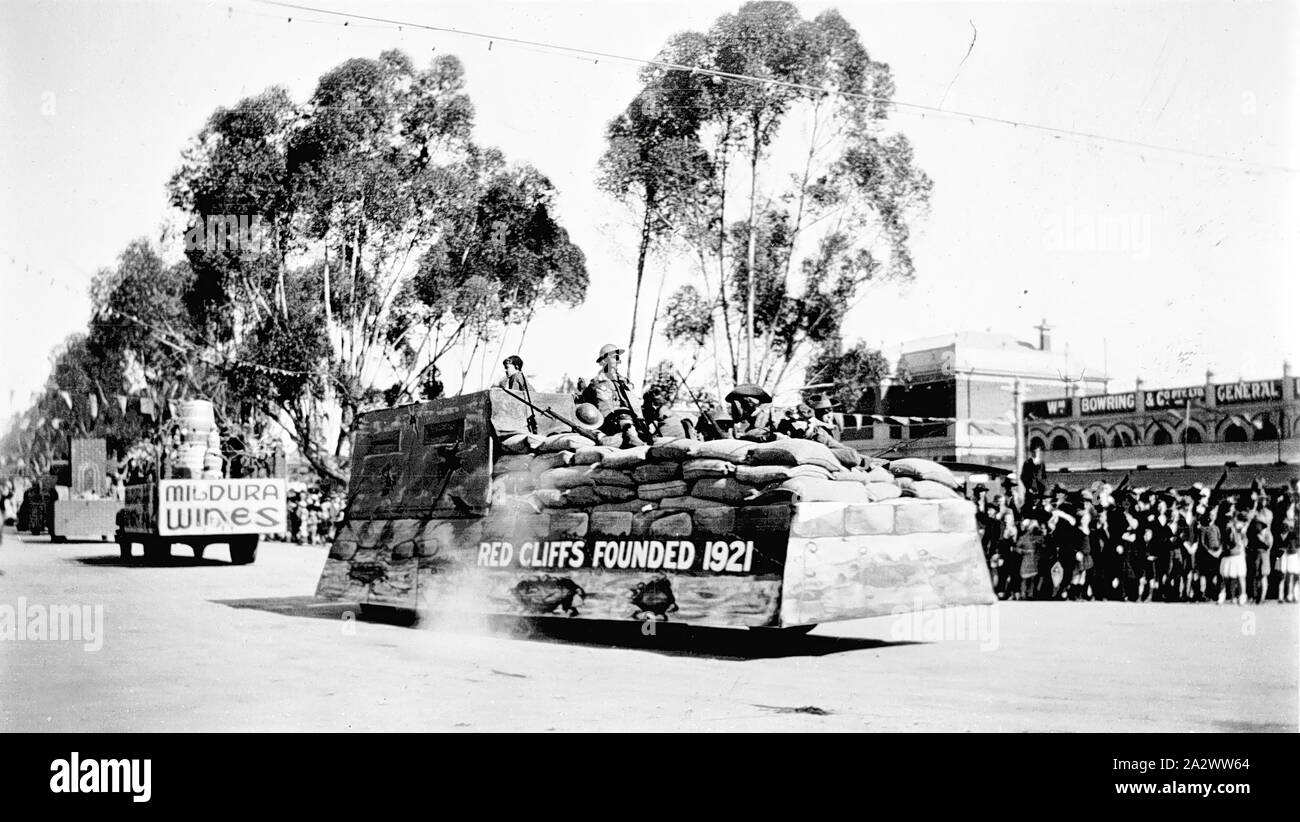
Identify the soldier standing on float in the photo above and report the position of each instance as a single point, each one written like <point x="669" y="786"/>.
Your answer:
<point x="609" y="390"/>
<point x="751" y="413"/>
<point x="514" y="378"/>
<point x="822" y="409"/>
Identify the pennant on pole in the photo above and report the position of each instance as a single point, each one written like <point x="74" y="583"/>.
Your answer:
<point x="171" y="409"/>
<point x="94" y="406"/>
<point x="121" y="403"/>
<point x="67" y="399"/>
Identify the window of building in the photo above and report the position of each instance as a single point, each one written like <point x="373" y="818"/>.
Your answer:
<point x="1096" y="440"/>
<point x="1122" y="439"/>
<point x="1266" y="431"/>
<point x="1037" y="442"/>
<point x="895" y="432"/>
<point x="1191" y="436"/>
<point x="1162" y="437"/>
<point x="1235" y="433"/>
<point x="1060" y="443"/>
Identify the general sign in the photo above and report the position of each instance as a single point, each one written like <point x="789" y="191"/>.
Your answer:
<point x="1234" y="393"/>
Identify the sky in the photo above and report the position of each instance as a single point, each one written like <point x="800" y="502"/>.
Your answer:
<point x="1151" y="263"/>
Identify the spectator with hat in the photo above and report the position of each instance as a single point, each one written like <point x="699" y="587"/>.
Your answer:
<point x="1033" y="477"/>
<point x="1289" y="546"/>
<point x="1233" y="565"/>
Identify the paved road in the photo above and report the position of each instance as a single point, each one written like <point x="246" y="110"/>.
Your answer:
<point x="210" y="646"/>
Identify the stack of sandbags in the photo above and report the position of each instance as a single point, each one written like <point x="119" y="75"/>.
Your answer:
<point x="568" y="471"/>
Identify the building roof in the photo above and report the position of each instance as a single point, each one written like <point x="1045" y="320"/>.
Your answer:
<point x="990" y="353"/>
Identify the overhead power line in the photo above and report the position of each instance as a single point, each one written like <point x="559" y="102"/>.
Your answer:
<point x="745" y="78"/>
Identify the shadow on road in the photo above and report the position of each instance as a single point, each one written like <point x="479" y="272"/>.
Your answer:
<point x="662" y="638"/>
<point x="140" y="562"/>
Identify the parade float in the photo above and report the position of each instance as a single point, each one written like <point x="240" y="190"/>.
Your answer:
<point x="194" y="503"/>
<point x="477" y="503"/>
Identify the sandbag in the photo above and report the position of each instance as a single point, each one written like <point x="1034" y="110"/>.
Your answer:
<point x="563" y="442"/>
<point x="626" y="458"/>
<point x="565" y="478"/>
<point x="854" y="475"/>
<point x="674" y="450"/>
<point x="518" y="483"/>
<point x="686" y="503"/>
<point x="702" y="468"/>
<point x="631" y="506"/>
<point x="673" y="525"/>
<point x="615" y="493"/>
<point x="521" y="443"/>
<point x="879" y="474"/>
<point x="767" y="474"/>
<point x="549" y="497"/>
<point x="723" y="489"/>
<point x="610" y="476"/>
<point x="929" y="489"/>
<point x="592" y="454"/>
<point x="511" y="463"/>
<point x="794" y="452"/>
<point x="725" y="449"/>
<point x="657" y="472"/>
<point x="923" y="469"/>
<point x="879" y="491"/>
<point x="545" y="462"/>
<point x="658" y="490"/>
<point x="806" y="489"/>
<point x="582" y="497"/>
<point x="847" y="457"/>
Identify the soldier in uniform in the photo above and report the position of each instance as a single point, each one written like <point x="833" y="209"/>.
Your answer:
<point x="609" y="390"/>
<point x="751" y="413"/>
<point x="823" y="409"/>
<point x="664" y="424"/>
<point x="514" y="378"/>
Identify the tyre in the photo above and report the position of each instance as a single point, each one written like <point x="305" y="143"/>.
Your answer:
<point x="243" y="550"/>
<point x="156" y="551"/>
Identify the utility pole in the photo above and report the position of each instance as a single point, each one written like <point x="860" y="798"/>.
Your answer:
<point x="1019" y="415"/>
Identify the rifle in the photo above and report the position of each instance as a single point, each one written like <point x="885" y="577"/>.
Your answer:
<point x="704" y="415"/>
<point x="532" y="418"/>
<point x="577" y="429"/>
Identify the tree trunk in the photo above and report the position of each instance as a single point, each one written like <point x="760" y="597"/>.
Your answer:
<point x="640" y="273"/>
<point x="750" y="256"/>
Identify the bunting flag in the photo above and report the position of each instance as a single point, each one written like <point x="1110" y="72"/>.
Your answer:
<point x="171" y="409"/>
<point x="67" y="399"/>
<point x="94" y="406"/>
<point x="121" y="403"/>
<point x="56" y="423"/>
<point x="146" y="406"/>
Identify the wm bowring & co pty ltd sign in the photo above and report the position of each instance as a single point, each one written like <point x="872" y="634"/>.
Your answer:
<point x="229" y="506"/>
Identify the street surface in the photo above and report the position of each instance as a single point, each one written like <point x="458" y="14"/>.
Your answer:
<point x="205" y="646"/>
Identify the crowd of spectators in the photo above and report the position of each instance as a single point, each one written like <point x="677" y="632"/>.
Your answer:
<point x="1138" y="545"/>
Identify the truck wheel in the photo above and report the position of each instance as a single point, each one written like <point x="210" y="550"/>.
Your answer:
<point x="243" y="551"/>
<point x="157" y="551"/>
